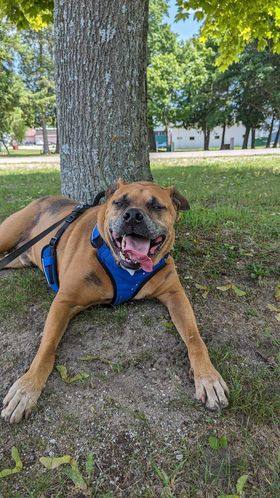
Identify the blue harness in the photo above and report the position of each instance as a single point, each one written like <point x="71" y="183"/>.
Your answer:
<point x="125" y="285"/>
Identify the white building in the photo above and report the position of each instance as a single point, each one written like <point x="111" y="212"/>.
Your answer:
<point x="194" y="139"/>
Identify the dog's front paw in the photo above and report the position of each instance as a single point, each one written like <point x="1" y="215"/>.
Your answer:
<point x="20" y="400"/>
<point x="211" y="389"/>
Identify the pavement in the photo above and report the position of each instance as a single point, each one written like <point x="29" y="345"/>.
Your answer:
<point x="154" y="156"/>
<point x="192" y="154"/>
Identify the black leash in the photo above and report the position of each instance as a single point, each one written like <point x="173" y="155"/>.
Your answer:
<point x="67" y="219"/>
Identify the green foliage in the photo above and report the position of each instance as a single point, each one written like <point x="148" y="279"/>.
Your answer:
<point x="28" y="13"/>
<point x="204" y="101"/>
<point x="161" y="40"/>
<point x="234" y="24"/>
<point x="163" y="67"/>
<point x="13" y="94"/>
<point x="164" y="80"/>
<point x="217" y="443"/>
<point x="256" y="86"/>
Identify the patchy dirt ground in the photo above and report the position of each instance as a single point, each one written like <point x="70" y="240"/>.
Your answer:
<point x="136" y="411"/>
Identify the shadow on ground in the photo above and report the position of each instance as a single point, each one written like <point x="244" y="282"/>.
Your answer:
<point x="136" y="411"/>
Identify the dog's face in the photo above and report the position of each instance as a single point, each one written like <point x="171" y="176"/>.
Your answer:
<point x="137" y="222"/>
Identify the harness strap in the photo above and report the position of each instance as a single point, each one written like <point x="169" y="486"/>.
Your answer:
<point x="68" y="219"/>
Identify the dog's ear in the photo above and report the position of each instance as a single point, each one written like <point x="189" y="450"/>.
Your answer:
<point x="112" y="189"/>
<point x="179" y="201"/>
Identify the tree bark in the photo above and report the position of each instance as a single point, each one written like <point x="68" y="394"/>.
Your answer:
<point x="270" y="133"/>
<point x="101" y="59"/>
<point x="253" y="137"/>
<point x="57" y="140"/>
<point x="206" y="134"/>
<point x="152" y="140"/>
<point x="46" y="149"/>
<point x="246" y="137"/>
<point x="223" y="137"/>
<point x="6" y="147"/>
<point x="166" y="136"/>
<point x="277" y="136"/>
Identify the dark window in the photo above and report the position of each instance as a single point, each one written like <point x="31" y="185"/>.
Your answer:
<point x="217" y="137"/>
<point x="191" y="138"/>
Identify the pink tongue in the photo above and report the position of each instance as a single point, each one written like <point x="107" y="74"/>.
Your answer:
<point x="137" y="249"/>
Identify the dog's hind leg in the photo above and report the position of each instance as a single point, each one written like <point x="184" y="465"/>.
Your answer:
<point x="16" y="228"/>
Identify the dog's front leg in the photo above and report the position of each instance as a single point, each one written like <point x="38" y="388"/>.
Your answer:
<point x="24" y="393"/>
<point x="210" y="387"/>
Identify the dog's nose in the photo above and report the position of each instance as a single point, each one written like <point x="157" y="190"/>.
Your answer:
<point x="133" y="215"/>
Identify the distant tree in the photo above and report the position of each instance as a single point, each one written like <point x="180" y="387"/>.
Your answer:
<point x="162" y="42"/>
<point x="253" y="92"/>
<point x="234" y="24"/>
<point x="36" y="66"/>
<point x="12" y="91"/>
<point x="202" y="102"/>
<point x="164" y="82"/>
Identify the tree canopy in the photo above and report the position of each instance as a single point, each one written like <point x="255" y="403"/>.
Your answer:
<point x="231" y="23"/>
<point x="235" y="23"/>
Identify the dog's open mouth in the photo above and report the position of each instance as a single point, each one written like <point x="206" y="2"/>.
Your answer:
<point x="136" y="251"/>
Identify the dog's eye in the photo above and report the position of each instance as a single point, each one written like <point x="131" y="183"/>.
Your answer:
<point x="120" y="203"/>
<point x="156" y="207"/>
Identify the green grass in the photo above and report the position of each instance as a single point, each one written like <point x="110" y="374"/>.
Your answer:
<point x="22" y="152"/>
<point x="231" y="234"/>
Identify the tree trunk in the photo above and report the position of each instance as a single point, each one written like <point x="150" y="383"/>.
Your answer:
<point x="57" y="140"/>
<point x="101" y="59"/>
<point x="152" y="140"/>
<point x="206" y="134"/>
<point x="223" y="137"/>
<point x="6" y="147"/>
<point x="166" y="136"/>
<point x="46" y="149"/>
<point x="270" y="132"/>
<point x="275" y="144"/>
<point x="253" y="137"/>
<point x="246" y="137"/>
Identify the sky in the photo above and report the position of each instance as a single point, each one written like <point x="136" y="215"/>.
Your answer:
<point x="185" y="29"/>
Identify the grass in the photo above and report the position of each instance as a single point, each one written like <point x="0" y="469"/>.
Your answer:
<point x="21" y="152"/>
<point x="136" y="411"/>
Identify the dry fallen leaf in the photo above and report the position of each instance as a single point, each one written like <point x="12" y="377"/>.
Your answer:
<point x="277" y="292"/>
<point x="224" y="288"/>
<point x="204" y="288"/>
<point x="233" y="287"/>
<point x="271" y="307"/>
<point x="66" y="378"/>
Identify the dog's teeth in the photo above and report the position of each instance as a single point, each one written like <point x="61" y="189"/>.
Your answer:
<point x="123" y="243"/>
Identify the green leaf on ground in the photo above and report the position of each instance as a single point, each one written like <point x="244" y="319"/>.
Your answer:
<point x="239" y="488"/>
<point x="18" y="464"/>
<point x="217" y="443"/>
<point x="237" y="291"/>
<point x="90" y="464"/>
<point x="241" y="483"/>
<point x="66" y="378"/>
<point x="73" y="472"/>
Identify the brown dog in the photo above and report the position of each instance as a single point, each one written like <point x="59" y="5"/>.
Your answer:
<point x="137" y="224"/>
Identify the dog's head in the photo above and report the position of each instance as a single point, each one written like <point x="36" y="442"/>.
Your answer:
<point x="137" y="222"/>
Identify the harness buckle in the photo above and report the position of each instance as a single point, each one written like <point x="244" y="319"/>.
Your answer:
<point x="53" y="241"/>
<point x="71" y="217"/>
